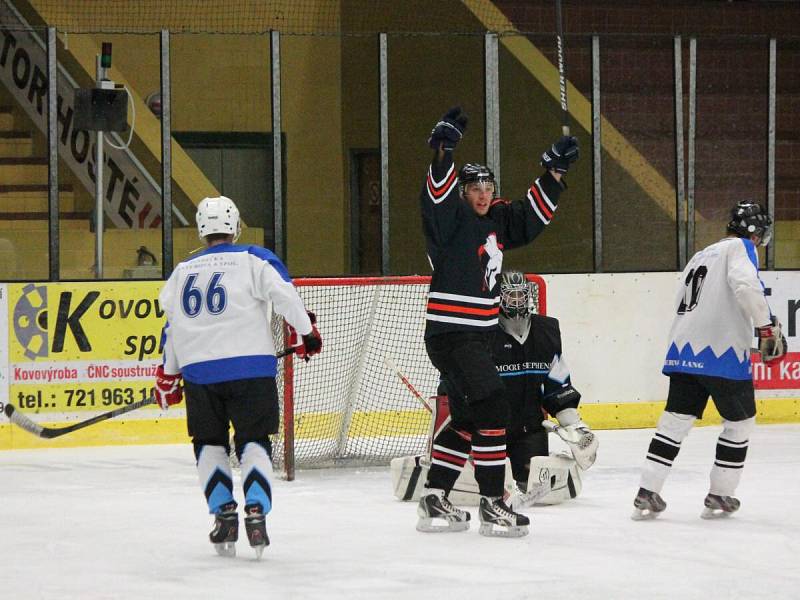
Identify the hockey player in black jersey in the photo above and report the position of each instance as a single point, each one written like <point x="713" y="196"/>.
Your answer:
<point x="466" y="230"/>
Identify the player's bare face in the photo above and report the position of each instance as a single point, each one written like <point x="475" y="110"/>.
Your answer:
<point x="479" y="196"/>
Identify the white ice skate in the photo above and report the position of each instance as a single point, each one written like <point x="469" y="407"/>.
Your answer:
<point x="435" y="505"/>
<point x="648" y="505"/>
<point x="498" y="520"/>
<point x="717" y="507"/>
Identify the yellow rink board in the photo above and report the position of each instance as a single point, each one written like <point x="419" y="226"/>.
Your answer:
<point x="367" y="424"/>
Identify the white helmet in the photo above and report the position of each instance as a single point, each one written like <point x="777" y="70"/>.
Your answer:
<point x="218" y="215"/>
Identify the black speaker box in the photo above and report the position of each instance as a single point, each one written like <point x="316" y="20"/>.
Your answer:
<point x="101" y="110"/>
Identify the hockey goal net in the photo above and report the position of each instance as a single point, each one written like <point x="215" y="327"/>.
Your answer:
<point x="345" y="406"/>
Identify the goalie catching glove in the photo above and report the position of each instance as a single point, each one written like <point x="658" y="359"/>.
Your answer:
<point x="580" y="439"/>
<point x="312" y="342"/>
<point x="771" y="342"/>
<point x="168" y="390"/>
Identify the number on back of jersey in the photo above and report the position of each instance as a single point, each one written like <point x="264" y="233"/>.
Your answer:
<point x="694" y="285"/>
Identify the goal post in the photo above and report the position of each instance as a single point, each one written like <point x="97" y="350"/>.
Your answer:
<point x="345" y="406"/>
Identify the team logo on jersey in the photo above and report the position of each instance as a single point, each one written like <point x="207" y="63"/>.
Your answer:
<point x="492" y="253"/>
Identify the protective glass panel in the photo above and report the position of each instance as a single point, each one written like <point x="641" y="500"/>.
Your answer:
<point x="638" y="125"/>
<point x="361" y="143"/>
<point x="731" y="146"/>
<point x="530" y="121"/>
<point x="221" y="122"/>
<point x="787" y="156"/>
<point x="131" y="159"/>
<point x="24" y="235"/>
<point x="427" y="75"/>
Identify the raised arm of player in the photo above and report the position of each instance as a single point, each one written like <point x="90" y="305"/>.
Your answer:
<point x="522" y="220"/>
<point x="440" y="196"/>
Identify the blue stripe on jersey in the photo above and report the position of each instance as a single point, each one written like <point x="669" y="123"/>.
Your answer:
<point x="526" y="372"/>
<point x="230" y="369"/>
<point x="256" y="251"/>
<point x="750" y="248"/>
<point x="706" y="362"/>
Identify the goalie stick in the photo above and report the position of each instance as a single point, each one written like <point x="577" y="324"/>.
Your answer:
<point x="22" y="421"/>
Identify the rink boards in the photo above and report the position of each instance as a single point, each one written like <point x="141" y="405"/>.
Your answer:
<point x="69" y="351"/>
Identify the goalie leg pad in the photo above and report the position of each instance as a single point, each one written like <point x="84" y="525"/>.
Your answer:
<point x="560" y="473"/>
<point x="408" y="477"/>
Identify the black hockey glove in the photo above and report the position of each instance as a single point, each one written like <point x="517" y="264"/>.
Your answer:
<point x="561" y="154"/>
<point x="449" y="130"/>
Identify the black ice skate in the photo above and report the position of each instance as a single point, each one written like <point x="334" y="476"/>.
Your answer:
<point x="498" y="520"/>
<point x="256" y="528"/>
<point x="434" y="505"/>
<point x="719" y="506"/>
<point x="226" y="530"/>
<point x="648" y="505"/>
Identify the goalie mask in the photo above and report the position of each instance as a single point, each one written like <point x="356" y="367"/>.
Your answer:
<point x="516" y="299"/>
<point x="475" y="173"/>
<point x="750" y="218"/>
<point x="218" y="215"/>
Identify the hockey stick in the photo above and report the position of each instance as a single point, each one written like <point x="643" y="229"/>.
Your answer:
<point x="393" y="366"/>
<point x="21" y="420"/>
<point x="562" y="69"/>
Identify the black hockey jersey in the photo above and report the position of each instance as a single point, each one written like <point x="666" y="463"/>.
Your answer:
<point x="466" y="250"/>
<point x="534" y="372"/>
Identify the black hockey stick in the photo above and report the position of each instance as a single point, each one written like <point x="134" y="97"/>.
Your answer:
<point x="562" y="70"/>
<point x="21" y="420"/>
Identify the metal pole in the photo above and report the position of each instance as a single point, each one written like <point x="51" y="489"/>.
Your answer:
<point x="680" y="199"/>
<point x="166" y="159"/>
<point x="277" y="147"/>
<point x="98" y="189"/>
<point x="690" y="208"/>
<point x="383" y="42"/>
<point x="492" y="83"/>
<point x="597" y="156"/>
<point x="52" y="155"/>
<point x="773" y="55"/>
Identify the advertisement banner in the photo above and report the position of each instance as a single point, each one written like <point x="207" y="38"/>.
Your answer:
<point x="81" y="347"/>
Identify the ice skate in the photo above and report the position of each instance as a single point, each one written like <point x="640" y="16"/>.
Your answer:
<point x="226" y="530"/>
<point x="719" y="506"/>
<point x="498" y="520"/>
<point x="435" y="505"/>
<point x="648" y="505"/>
<point x="256" y="528"/>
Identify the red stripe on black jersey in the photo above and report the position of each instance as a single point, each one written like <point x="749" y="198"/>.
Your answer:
<point x="439" y="191"/>
<point x="548" y="214"/>
<point x="439" y="307"/>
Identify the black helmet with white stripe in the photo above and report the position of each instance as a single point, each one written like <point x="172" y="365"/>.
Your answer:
<point x="750" y="218"/>
<point x="474" y="173"/>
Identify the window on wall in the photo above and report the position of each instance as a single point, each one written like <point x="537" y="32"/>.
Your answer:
<point x="240" y="167"/>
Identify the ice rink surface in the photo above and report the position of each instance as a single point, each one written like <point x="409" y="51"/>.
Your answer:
<point x="131" y="523"/>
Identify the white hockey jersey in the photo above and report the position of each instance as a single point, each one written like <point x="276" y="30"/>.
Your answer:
<point x="719" y="302"/>
<point x="218" y="315"/>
